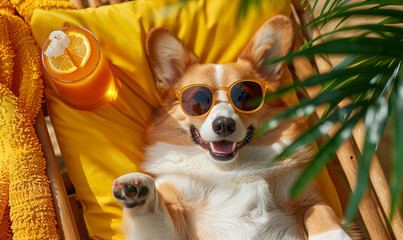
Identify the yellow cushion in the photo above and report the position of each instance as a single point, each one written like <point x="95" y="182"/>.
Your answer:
<point x="100" y="145"/>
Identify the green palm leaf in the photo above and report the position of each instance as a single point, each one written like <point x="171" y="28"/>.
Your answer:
<point x="308" y="106"/>
<point x="397" y="133"/>
<point x="373" y="60"/>
<point x="368" y="46"/>
<point x="375" y="118"/>
<point x="319" y="129"/>
<point x="326" y="152"/>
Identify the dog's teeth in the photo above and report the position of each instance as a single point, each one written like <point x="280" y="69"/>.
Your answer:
<point x="212" y="146"/>
<point x="233" y="146"/>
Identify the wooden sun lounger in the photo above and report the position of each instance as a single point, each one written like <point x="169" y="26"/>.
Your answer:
<point x="373" y="209"/>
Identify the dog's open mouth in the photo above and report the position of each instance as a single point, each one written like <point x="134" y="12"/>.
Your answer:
<point x="223" y="150"/>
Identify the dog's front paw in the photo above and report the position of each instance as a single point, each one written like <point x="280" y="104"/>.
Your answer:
<point x="135" y="191"/>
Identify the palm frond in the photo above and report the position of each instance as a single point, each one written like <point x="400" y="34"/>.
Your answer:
<point x="397" y="133"/>
<point x="319" y="129"/>
<point x="326" y="152"/>
<point x="342" y="10"/>
<point x="370" y="76"/>
<point x="375" y="117"/>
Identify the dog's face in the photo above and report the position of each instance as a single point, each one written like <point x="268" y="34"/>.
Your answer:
<point x="222" y="130"/>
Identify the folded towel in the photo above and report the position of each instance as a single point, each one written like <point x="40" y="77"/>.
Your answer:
<point x="31" y="208"/>
<point x="26" y="207"/>
<point x="26" y="7"/>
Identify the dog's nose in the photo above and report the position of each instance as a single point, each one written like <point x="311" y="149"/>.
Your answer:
<point x="224" y="126"/>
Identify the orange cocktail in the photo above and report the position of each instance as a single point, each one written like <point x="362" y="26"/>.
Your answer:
<point x="77" y="69"/>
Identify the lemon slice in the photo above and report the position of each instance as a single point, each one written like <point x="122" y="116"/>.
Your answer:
<point x="62" y="64"/>
<point x="79" y="49"/>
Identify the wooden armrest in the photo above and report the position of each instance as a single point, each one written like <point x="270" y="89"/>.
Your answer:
<point x="65" y="218"/>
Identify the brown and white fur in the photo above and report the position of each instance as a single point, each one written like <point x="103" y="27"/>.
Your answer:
<point x="195" y="194"/>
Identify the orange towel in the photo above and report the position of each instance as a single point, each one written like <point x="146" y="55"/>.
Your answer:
<point x="26" y="207"/>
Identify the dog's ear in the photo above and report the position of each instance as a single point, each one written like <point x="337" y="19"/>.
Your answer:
<point x="168" y="58"/>
<point x="274" y="39"/>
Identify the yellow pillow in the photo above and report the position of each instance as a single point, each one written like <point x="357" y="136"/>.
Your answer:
<point x="100" y="145"/>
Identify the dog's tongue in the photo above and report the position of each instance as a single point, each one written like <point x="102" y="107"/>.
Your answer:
<point x="222" y="147"/>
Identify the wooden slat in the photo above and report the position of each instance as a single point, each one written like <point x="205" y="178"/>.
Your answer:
<point x="78" y="217"/>
<point x="94" y="3"/>
<point x="380" y="184"/>
<point x="115" y="1"/>
<point x="65" y="217"/>
<point x="78" y="3"/>
<point x="368" y="206"/>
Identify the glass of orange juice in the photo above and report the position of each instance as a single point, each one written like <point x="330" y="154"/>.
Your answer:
<point x="77" y="69"/>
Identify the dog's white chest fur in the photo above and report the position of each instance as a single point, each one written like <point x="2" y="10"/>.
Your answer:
<point x="222" y="209"/>
<point x="223" y="205"/>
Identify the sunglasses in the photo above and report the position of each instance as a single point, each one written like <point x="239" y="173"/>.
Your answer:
<point x="246" y="96"/>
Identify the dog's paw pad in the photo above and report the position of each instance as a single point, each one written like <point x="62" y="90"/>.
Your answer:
<point x="132" y="190"/>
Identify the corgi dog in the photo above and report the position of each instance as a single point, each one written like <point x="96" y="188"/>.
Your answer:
<point x="210" y="176"/>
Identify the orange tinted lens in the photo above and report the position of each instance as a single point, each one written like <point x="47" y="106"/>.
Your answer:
<point x="246" y="95"/>
<point x="197" y="100"/>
